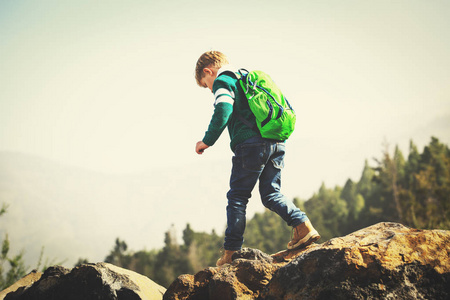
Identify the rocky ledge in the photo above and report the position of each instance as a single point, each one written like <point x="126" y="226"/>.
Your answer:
<point x="383" y="261"/>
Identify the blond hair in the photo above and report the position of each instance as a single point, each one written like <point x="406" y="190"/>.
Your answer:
<point x="209" y="59"/>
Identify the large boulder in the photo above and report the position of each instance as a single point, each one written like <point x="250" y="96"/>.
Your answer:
<point x="99" y="281"/>
<point x="383" y="261"/>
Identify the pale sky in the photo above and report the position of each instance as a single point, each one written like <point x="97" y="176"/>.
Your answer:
<point x="109" y="86"/>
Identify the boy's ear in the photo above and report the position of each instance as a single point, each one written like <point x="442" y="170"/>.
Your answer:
<point x="207" y="71"/>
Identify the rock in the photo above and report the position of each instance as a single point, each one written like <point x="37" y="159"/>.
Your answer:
<point x="90" y="282"/>
<point x="383" y="261"/>
<point x="252" y="254"/>
<point x="27" y="280"/>
<point x="244" y="278"/>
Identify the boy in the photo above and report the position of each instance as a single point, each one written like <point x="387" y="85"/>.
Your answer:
<point x="255" y="158"/>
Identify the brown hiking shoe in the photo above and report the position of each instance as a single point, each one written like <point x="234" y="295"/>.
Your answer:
<point x="304" y="235"/>
<point x="225" y="258"/>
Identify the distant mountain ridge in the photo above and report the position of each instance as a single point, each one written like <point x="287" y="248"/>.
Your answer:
<point x="77" y="213"/>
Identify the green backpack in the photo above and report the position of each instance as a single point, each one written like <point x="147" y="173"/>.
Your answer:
<point x="275" y="117"/>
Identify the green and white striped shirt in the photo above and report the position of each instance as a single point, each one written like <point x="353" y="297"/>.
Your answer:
<point x="229" y="97"/>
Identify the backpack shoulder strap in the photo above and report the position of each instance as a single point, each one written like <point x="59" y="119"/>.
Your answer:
<point x="241" y="73"/>
<point x="245" y="121"/>
<point x="231" y="74"/>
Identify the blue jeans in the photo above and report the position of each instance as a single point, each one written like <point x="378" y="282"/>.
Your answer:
<point x="263" y="159"/>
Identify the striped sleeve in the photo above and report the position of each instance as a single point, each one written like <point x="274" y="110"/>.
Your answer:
<point x="223" y="108"/>
<point x="224" y="95"/>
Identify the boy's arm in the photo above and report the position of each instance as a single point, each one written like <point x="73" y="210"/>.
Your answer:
<point x="223" y="109"/>
<point x="219" y="121"/>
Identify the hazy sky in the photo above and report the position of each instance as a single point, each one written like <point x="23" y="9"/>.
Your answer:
<point x="109" y="86"/>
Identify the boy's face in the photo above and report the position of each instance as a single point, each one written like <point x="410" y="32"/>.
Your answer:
<point x="209" y="75"/>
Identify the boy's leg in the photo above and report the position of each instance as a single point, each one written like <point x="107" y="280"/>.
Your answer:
<point x="248" y="163"/>
<point x="270" y="186"/>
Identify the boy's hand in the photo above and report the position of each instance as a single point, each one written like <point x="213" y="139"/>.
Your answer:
<point x="200" y="147"/>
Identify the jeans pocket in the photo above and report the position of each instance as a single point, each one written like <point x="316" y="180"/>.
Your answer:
<point x="278" y="157"/>
<point x="254" y="156"/>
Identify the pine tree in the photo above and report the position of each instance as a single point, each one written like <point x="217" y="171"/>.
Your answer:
<point x="432" y="186"/>
<point x="119" y="255"/>
<point x="407" y="194"/>
<point x="355" y="203"/>
<point x="385" y="200"/>
<point x="365" y="183"/>
<point x="328" y="212"/>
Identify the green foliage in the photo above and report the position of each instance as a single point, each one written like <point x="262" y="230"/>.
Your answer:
<point x="3" y="209"/>
<point x="118" y="255"/>
<point x="199" y="251"/>
<point x="81" y="261"/>
<point x="425" y="189"/>
<point x="12" y="268"/>
<point x="413" y="191"/>
<point x="327" y="211"/>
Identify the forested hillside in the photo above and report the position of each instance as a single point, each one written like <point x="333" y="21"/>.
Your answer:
<point x="413" y="190"/>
